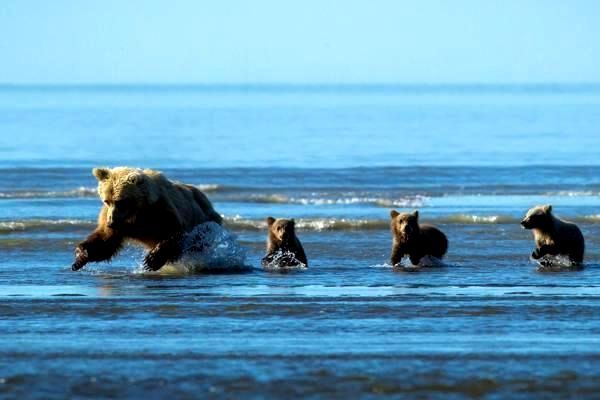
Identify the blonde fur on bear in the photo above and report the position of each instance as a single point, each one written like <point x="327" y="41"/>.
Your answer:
<point x="143" y="205"/>
<point x="553" y="235"/>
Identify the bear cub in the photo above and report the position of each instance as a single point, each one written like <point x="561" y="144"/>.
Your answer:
<point x="414" y="239"/>
<point x="553" y="235"/>
<point x="283" y="246"/>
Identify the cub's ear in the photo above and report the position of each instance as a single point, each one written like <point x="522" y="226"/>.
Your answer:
<point x="548" y="208"/>
<point x="101" y="173"/>
<point x="416" y="213"/>
<point x="394" y="214"/>
<point x="270" y="221"/>
<point x="293" y="222"/>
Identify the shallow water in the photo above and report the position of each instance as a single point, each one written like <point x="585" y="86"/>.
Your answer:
<point x="489" y="324"/>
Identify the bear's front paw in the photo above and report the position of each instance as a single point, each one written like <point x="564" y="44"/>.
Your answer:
<point x="535" y="254"/>
<point x="81" y="258"/>
<point x="546" y="263"/>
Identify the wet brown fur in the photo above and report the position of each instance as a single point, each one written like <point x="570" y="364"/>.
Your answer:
<point x="553" y="235"/>
<point x="414" y="239"/>
<point x="146" y="207"/>
<point x="282" y="238"/>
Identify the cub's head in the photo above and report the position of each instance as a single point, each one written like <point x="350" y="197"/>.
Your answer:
<point x="280" y="229"/>
<point x="538" y="217"/>
<point x="124" y="191"/>
<point x="405" y="226"/>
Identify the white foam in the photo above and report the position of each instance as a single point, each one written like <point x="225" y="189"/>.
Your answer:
<point x="209" y="187"/>
<point x="384" y="265"/>
<point x="424" y="262"/>
<point x="284" y="261"/>
<point x="556" y="263"/>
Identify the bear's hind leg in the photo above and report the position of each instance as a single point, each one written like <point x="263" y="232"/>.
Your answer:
<point x="166" y="251"/>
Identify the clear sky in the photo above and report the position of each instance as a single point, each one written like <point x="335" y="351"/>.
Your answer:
<point x="320" y="41"/>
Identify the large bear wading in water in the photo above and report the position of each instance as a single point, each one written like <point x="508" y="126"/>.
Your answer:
<point x="143" y="205"/>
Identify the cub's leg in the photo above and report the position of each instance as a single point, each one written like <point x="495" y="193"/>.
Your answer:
<point x="542" y="251"/>
<point x="415" y="258"/>
<point x="397" y="254"/>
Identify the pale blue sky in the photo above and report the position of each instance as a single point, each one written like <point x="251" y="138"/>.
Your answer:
<point x="113" y="41"/>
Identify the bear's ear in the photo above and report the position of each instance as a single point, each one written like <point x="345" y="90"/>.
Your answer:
<point x="293" y="222"/>
<point x="101" y="174"/>
<point x="270" y="221"/>
<point x="548" y="208"/>
<point x="416" y="214"/>
<point x="394" y="214"/>
<point x="135" y="179"/>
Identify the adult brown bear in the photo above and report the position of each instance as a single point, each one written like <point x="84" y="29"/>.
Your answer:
<point x="145" y="206"/>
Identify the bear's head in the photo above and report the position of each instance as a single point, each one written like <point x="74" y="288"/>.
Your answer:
<point x="538" y="217"/>
<point x="124" y="191"/>
<point x="280" y="229"/>
<point x="405" y="226"/>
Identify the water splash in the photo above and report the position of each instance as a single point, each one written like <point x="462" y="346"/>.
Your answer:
<point x="208" y="248"/>
<point x="283" y="261"/>
<point x="424" y="262"/>
<point x="556" y="263"/>
<point x="430" y="262"/>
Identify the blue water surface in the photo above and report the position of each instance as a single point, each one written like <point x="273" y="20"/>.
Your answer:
<point x="471" y="158"/>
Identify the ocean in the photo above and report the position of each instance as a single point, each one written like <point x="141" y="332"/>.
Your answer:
<point x="471" y="158"/>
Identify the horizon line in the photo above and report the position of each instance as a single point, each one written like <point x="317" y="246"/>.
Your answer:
<point x="301" y="84"/>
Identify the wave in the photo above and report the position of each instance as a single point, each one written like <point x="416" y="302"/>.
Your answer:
<point x="316" y="224"/>
<point x="80" y="192"/>
<point x="345" y="224"/>
<point x="588" y="218"/>
<point x="39" y="194"/>
<point x="306" y="224"/>
<point x="307" y="197"/>
<point x="212" y="187"/>
<point x="405" y="202"/>
<point x="45" y="225"/>
<point x="572" y="193"/>
<point x="477" y="219"/>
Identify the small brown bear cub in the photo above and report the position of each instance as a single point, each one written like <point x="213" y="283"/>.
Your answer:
<point x="283" y="246"/>
<point x="414" y="239"/>
<point x="553" y="235"/>
<point x="145" y="206"/>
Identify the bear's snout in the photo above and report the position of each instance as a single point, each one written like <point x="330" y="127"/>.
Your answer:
<point x="525" y="224"/>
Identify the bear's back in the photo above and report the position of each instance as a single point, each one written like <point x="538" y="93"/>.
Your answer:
<point x="432" y="240"/>
<point x="569" y="239"/>
<point x="193" y="206"/>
